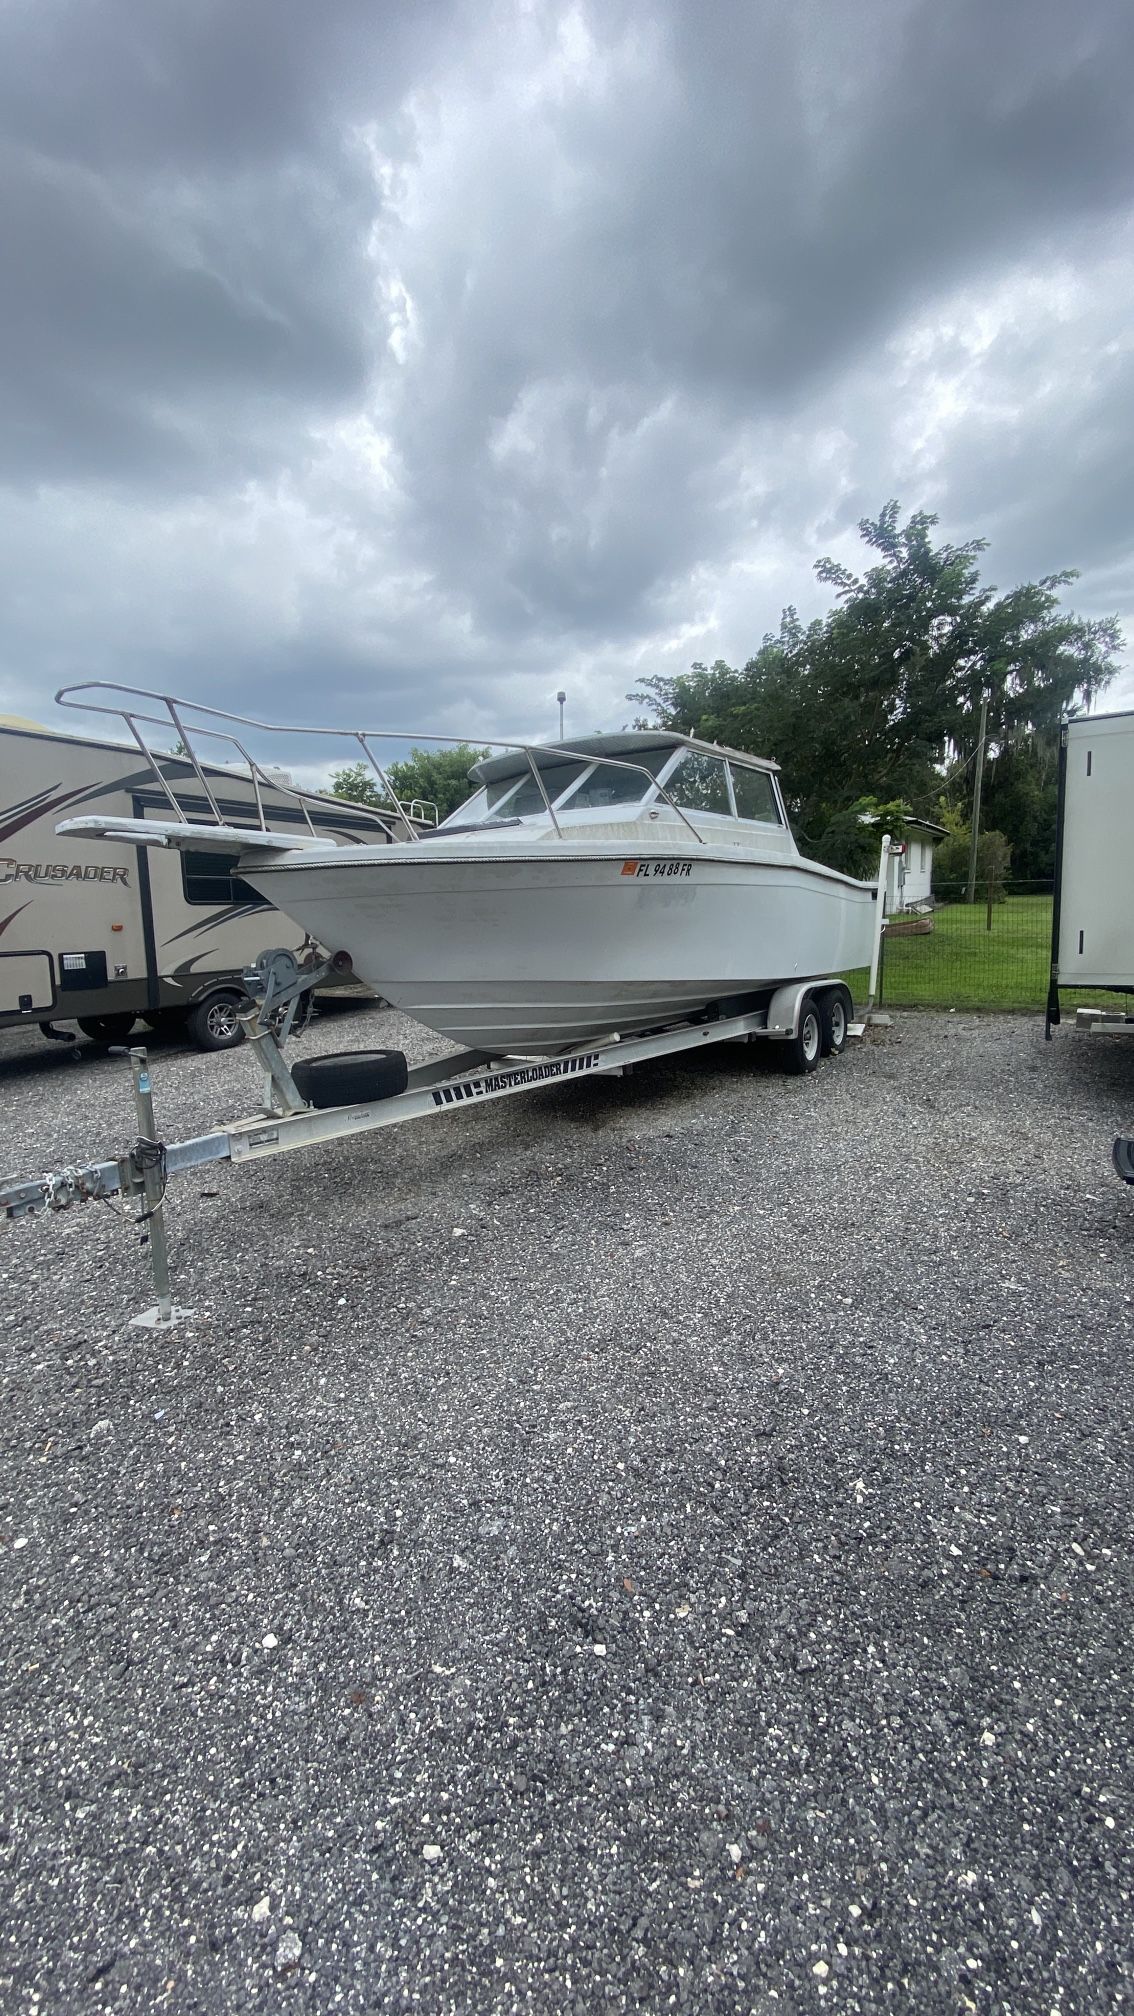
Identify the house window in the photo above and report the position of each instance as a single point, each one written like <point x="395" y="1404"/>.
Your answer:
<point x="210" y="878"/>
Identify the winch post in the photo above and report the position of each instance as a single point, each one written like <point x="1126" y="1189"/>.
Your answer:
<point x="275" y="985"/>
<point x="164" y="1314"/>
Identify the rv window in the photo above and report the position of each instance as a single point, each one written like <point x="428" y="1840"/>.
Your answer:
<point x="755" y="798"/>
<point x="208" y="878"/>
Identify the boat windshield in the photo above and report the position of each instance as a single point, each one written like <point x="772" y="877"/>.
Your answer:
<point x="513" y="797"/>
<point x="700" y="783"/>
<point x="604" y="785"/>
<point x="755" y="796"/>
<point x="571" y="784"/>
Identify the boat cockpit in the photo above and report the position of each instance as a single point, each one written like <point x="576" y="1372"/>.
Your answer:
<point x="617" y="779"/>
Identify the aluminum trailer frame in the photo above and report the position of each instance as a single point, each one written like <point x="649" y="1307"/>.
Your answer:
<point x="445" y="1085"/>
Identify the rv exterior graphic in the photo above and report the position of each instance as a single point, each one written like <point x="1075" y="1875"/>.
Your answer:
<point x="100" y="937"/>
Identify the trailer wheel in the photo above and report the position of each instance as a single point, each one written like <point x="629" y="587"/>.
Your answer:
<point x="805" y="1048"/>
<point x="351" y="1077"/>
<point x="214" y="1023"/>
<point x="834" y="1015"/>
<point x="106" y="1029"/>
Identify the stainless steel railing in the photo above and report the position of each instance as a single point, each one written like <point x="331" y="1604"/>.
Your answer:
<point x="182" y="717"/>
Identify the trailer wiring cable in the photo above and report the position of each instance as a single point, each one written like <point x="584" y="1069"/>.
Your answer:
<point x="148" y="1155"/>
<point x="151" y="1155"/>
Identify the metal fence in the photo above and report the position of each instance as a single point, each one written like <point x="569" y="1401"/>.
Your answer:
<point x="991" y="953"/>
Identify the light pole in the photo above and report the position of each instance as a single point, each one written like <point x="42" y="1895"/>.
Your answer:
<point x="562" y="699"/>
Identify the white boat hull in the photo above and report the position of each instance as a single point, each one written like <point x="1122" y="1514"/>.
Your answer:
<point x="531" y="953"/>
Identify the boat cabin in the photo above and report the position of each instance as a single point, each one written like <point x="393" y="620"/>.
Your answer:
<point x="605" y="780"/>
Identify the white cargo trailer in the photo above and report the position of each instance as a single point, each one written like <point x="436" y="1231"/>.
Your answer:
<point x="1092" y="938"/>
<point x="101" y="937"/>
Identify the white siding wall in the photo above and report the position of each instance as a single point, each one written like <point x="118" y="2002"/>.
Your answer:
<point x="915" y="884"/>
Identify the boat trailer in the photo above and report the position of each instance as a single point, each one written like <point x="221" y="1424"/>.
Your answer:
<point x="812" y="1015"/>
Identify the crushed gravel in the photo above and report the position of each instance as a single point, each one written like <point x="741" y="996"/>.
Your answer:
<point x="657" y="1544"/>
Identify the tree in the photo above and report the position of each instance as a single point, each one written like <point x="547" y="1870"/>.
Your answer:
<point x="435" y="776"/>
<point x="882" y="695"/>
<point x="1020" y="799"/>
<point x="852" y="840"/>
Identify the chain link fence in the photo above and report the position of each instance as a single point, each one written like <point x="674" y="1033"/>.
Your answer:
<point x="992" y="953"/>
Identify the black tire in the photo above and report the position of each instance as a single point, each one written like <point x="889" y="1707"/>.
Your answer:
<point x="834" y="1017"/>
<point x="803" y="1052"/>
<point x="213" y="1024"/>
<point x="351" y="1077"/>
<point x="169" y="1022"/>
<point x="106" y="1029"/>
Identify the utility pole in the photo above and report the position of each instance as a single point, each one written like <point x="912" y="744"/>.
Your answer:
<point x="562" y="699"/>
<point x="978" y="780"/>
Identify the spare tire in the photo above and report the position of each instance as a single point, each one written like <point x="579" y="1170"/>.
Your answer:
<point x="351" y="1077"/>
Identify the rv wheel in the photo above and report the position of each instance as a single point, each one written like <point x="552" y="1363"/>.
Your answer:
<point x="214" y="1023"/>
<point x="106" y="1028"/>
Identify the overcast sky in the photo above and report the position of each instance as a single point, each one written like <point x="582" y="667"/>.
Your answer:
<point x="400" y="363"/>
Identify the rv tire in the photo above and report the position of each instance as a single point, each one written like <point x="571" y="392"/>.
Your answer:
<point x="351" y="1077"/>
<point x="214" y="1022"/>
<point x="106" y="1029"/>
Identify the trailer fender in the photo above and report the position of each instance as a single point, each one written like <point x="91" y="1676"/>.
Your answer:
<point x="784" y="1007"/>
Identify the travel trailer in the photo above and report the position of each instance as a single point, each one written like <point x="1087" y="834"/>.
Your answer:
<point x="97" y="936"/>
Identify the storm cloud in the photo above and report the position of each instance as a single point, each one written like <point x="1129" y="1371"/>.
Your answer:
<point x="414" y="361"/>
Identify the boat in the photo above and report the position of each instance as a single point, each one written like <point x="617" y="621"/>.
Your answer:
<point x="582" y="893"/>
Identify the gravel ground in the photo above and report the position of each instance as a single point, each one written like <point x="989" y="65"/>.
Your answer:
<point x="661" y="1544"/>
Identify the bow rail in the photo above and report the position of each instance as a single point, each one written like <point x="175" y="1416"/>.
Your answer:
<point x="182" y="717"/>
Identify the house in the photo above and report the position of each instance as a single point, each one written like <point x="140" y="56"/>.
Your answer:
<point x="909" y="877"/>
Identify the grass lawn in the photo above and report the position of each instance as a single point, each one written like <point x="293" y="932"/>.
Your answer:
<point x="962" y="964"/>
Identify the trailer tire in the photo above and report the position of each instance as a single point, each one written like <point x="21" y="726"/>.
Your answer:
<point x="803" y="1051"/>
<point x="834" y="1017"/>
<point x="106" y="1029"/>
<point x="351" y="1077"/>
<point x="213" y="1023"/>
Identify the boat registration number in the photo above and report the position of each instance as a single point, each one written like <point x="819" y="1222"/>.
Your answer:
<point x="641" y="870"/>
